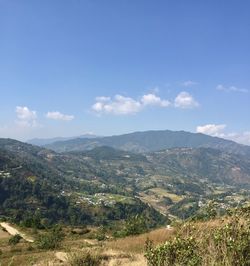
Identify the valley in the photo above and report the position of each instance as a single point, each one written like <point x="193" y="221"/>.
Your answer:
<point x="124" y="133"/>
<point x="93" y="199"/>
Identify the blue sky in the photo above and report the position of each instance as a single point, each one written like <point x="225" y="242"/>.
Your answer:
<point x="112" y="67"/>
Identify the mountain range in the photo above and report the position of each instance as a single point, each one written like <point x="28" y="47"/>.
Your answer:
<point x="147" y="141"/>
<point x="156" y="172"/>
<point x="46" y="141"/>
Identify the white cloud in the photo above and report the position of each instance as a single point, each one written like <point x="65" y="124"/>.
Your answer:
<point x="59" y="116"/>
<point x="189" y="83"/>
<point x="211" y="129"/>
<point x="231" y="89"/>
<point x="121" y="105"/>
<point x="218" y="131"/>
<point x="25" y="124"/>
<point x="185" y="100"/>
<point x="26" y="117"/>
<point x="23" y="113"/>
<point x="152" y="99"/>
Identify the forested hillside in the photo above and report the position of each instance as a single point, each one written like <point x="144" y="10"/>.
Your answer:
<point x="34" y="187"/>
<point x="73" y="187"/>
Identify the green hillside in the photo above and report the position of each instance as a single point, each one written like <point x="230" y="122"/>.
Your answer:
<point x="36" y="184"/>
<point x="60" y="186"/>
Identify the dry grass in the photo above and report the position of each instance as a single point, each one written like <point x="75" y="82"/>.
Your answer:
<point x="201" y="229"/>
<point x="135" y="244"/>
<point x="32" y="258"/>
<point x="124" y="251"/>
<point x="136" y="260"/>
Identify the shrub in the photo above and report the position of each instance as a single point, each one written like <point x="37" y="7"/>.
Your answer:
<point x="50" y="240"/>
<point x="15" y="239"/>
<point x="227" y="244"/>
<point x="100" y="236"/>
<point x="30" y="248"/>
<point x="135" y="225"/>
<point x="232" y="243"/>
<point x="180" y="251"/>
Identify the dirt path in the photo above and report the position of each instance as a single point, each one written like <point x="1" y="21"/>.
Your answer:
<point x="62" y="256"/>
<point x="91" y="242"/>
<point x="3" y="234"/>
<point x="13" y="231"/>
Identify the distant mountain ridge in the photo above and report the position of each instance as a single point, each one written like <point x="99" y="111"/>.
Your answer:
<point x="149" y="141"/>
<point x="42" y="142"/>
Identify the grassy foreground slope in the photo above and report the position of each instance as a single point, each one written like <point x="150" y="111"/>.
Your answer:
<point x="222" y="241"/>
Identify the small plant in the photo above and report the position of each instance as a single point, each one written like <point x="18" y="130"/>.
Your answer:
<point x="100" y="235"/>
<point x="15" y="239"/>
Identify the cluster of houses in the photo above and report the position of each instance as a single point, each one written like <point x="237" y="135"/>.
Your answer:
<point x="5" y="174"/>
<point x="97" y="199"/>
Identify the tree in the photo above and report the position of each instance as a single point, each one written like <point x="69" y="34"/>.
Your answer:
<point x="135" y="225"/>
